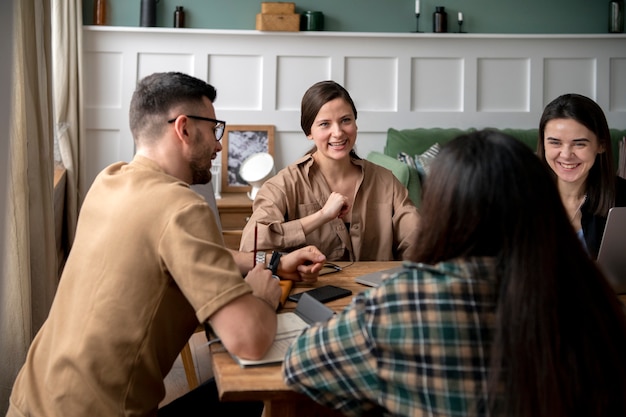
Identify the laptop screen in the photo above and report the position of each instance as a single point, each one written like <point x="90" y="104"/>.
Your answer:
<point x="612" y="253"/>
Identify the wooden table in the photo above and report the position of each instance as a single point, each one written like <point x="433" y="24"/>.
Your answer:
<point x="265" y="383"/>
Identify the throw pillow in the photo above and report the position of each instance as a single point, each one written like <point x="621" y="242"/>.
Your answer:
<point x="407" y="159"/>
<point x="423" y="161"/>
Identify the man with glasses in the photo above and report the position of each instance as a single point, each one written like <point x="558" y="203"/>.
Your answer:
<point x="220" y="125"/>
<point x="147" y="265"/>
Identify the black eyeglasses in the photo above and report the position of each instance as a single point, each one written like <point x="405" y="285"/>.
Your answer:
<point x="220" y="125"/>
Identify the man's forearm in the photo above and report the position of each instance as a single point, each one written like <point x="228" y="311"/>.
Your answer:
<point x="245" y="260"/>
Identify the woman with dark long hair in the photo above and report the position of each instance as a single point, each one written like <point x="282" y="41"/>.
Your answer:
<point x="575" y="143"/>
<point x="504" y="315"/>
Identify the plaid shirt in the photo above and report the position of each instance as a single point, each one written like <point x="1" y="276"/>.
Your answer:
<point x="418" y="345"/>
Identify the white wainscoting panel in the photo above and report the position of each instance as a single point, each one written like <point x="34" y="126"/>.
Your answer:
<point x="104" y="149"/>
<point x="148" y="63"/>
<point x="437" y="85"/>
<point x="243" y="74"/>
<point x="503" y="85"/>
<point x="396" y="80"/>
<point x="373" y="83"/>
<point x="561" y="74"/>
<point x="617" y="101"/>
<point x="294" y="75"/>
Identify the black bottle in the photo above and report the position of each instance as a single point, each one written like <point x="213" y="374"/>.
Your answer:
<point x="179" y="17"/>
<point x="147" y="17"/>
<point x="440" y="20"/>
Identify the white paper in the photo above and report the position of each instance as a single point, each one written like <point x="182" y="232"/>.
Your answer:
<point x="289" y="326"/>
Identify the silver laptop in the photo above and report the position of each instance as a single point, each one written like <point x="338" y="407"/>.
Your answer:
<point x="612" y="253"/>
<point x="373" y="279"/>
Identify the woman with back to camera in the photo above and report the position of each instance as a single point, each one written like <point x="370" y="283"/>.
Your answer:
<point x="350" y="208"/>
<point x="505" y="316"/>
<point x="575" y="142"/>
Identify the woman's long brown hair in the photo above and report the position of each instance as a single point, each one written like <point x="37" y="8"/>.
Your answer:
<point x="560" y="338"/>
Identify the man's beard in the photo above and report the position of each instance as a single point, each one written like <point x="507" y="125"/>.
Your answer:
<point x="199" y="175"/>
<point x="200" y="164"/>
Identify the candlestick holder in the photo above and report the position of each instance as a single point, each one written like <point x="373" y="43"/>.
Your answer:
<point x="417" y="23"/>
<point x="460" y="26"/>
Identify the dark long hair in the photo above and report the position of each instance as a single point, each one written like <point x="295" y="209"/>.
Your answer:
<point x="600" y="185"/>
<point x="560" y="333"/>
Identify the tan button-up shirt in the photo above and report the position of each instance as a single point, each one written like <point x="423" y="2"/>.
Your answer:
<point x="384" y="219"/>
<point x="148" y="263"/>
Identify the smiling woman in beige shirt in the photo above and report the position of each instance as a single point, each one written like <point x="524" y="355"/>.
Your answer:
<point x="350" y="208"/>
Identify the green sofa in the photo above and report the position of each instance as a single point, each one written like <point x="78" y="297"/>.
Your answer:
<point x="417" y="141"/>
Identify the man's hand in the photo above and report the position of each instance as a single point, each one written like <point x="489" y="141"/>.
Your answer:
<point x="302" y="265"/>
<point x="264" y="286"/>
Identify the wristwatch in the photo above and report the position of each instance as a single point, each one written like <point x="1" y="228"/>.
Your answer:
<point x="260" y="257"/>
<point x="273" y="266"/>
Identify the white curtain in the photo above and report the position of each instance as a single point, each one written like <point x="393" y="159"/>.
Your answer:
<point x="6" y="50"/>
<point x="67" y="32"/>
<point x="29" y="259"/>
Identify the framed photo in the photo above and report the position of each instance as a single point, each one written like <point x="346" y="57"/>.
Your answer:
<point x="238" y="143"/>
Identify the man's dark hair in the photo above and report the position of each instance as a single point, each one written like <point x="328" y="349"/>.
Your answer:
<point x="157" y="94"/>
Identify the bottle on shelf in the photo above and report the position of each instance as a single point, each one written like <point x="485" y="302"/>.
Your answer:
<point x="99" y="12"/>
<point x="616" y="16"/>
<point x="147" y="17"/>
<point x="440" y="20"/>
<point x="179" y="17"/>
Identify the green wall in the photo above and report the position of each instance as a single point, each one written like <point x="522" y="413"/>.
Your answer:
<point x="481" y="16"/>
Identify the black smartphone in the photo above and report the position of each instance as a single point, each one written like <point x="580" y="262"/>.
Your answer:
<point x="323" y="294"/>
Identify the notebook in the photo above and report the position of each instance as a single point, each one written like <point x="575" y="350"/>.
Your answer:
<point x="612" y="253"/>
<point x="374" y="279"/>
<point x="290" y="325"/>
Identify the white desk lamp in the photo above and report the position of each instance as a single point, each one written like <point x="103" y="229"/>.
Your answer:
<point x="255" y="170"/>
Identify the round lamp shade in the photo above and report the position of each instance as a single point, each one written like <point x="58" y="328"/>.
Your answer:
<point x="255" y="170"/>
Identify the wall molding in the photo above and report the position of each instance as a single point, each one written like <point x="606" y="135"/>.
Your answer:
<point x="399" y="80"/>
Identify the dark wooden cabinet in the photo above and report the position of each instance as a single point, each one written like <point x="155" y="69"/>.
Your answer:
<point x="235" y="210"/>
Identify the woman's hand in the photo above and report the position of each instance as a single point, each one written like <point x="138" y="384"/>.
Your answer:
<point x="336" y="206"/>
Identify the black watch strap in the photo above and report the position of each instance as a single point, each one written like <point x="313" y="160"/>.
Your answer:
<point x="274" y="262"/>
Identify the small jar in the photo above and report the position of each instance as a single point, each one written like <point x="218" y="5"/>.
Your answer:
<point x="179" y="17"/>
<point x="312" y="20"/>
<point x="440" y="20"/>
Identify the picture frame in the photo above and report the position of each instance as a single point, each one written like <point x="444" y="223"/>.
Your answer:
<point x="238" y="143"/>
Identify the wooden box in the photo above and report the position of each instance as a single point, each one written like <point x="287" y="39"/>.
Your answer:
<point x="278" y="7"/>
<point x="278" y="22"/>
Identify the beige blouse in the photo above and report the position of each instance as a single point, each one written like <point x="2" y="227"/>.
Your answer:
<point x="384" y="219"/>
